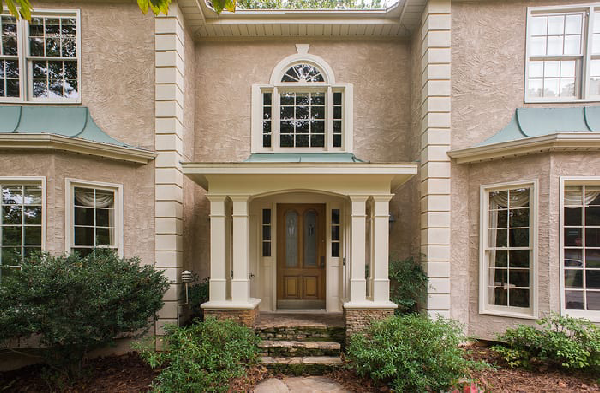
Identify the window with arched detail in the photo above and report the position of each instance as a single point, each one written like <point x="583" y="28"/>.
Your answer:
<point x="302" y="109"/>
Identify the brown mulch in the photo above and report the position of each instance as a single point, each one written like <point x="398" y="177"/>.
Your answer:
<point x="125" y="373"/>
<point x="128" y="373"/>
<point x="542" y="378"/>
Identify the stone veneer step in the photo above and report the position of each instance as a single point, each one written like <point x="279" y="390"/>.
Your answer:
<point x="302" y="365"/>
<point x="302" y="333"/>
<point x="300" y="348"/>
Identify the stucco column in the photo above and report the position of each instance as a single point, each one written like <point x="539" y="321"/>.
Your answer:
<point x="358" y="283"/>
<point x="218" y="280"/>
<point x="240" y="284"/>
<point x="379" y="263"/>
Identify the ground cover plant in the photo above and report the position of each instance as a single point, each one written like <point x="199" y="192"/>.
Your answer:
<point x="568" y="342"/>
<point x="411" y="353"/>
<point x="204" y="356"/>
<point x="408" y="284"/>
<point x="75" y="304"/>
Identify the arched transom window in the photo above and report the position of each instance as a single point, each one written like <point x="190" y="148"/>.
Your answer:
<point x="302" y="110"/>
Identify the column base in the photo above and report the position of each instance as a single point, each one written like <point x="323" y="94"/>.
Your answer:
<point x="247" y="314"/>
<point x="358" y="320"/>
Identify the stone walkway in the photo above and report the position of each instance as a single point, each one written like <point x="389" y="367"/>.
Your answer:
<point x="299" y="385"/>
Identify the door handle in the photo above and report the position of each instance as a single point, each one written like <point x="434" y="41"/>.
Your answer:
<point x="322" y="261"/>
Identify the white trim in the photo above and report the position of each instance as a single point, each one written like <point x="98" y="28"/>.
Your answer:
<point x="74" y="145"/>
<point x="25" y="72"/>
<point x="32" y="180"/>
<point x="565" y="141"/>
<point x="582" y="83"/>
<point x="592" y="315"/>
<point x="70" y="185"/>
<point x="508" y="311"/>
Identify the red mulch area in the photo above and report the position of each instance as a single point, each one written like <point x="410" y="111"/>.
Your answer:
<point x="126" y="373"/>
<point x="542" y="378"/>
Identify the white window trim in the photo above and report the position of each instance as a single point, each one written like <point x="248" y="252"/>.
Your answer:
<point x="25" y="84"/>
<point x="41" y="180"/>
<point x="508" y="311"/>
<point x="70" y="185"/>
<point x="593" y="316"/>
<point x="586" y="53"/>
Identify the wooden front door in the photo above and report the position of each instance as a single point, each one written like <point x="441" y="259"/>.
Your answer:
<point x="301" y="256"/>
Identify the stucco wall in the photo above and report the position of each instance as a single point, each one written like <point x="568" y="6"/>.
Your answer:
<point x="488" y="63"/>
<point x="117" y="84"/>
<point x="138" y="189"/>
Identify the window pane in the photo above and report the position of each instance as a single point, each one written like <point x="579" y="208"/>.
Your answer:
<point x="497" y="237"/>
<point x="84" y="236"/>
<point x="317" y="141"/>
<point x="593" y="300"/>
<point x="12" y="195"/>
<point x="266" y="216"/>
<point x="537" y="46"/>
<point x="573" y="278"/>
<point x="498" y="277"/>
<point x="337" y="98"/>
<point x="498" y="296"/>
<point x="104" y="218"/>
<point x="519" y="258"/>
<point x="499" y="258"/>
<point x="573" y="257"/>
<point x="573" y="196"/>
<point x="574" y="300"/>
<point x="573" y="216"/>
<point x="84" y="216"/>
<point x="519" y="237"/>
<point x="337" y="141"/>
<point x="519" y="298"/>
<point x="592" y="237"/>
<point x="592" y="215"/>
<point x="12" y="215"/>
<point x="33" y="214"/>
<point x="556" y="24"/>
<point x="592" y="258"/>
<point x="519" y="218"/>
<point x="104" y="237"/>
<point x="335" y="232"/>
<point x="318" y="99"/>
<point x="536" y="69"/>
<point x="519" y="278"/>
<point x="12" y="236"/>
<point x="573" y="237"/>
<point x="498" y="200"/>
<point x="291" y="239"/>
<point x="310" y="238"/>
<point x="33" y="236"/>
<point x="266" y="233"/>
<point x="572" y="45"/>
<point x="335" y="216"/>
<point x="335" y="249"/>
<point x="286" y="140"/>
<point x="266" y="249"/>
<point x="592" y="279"/>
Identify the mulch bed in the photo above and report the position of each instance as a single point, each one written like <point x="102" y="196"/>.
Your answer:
<point x="128" y="373"/>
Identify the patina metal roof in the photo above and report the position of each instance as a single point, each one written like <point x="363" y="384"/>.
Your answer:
<point x="66" y="121"/>
<point x="537" y="122"/>
<point x="303" y="157"/>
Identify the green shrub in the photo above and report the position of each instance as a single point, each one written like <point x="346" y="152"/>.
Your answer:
<point x="76" y="304"/>
<point x="408" y="285"/>
<point x="198" y="294"/>
<point x="411" y="353"/>
<point x="203" y="356"/>
<point x="565" y="341"/>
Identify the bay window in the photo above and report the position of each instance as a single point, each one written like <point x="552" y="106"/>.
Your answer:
<point x="507" y="275"/>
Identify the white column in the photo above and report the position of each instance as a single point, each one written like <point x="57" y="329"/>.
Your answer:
<point x="358" y="283"/>
<point x="218" y="280"/>
<point x="240" y="284"/>
<point x="379" y="263"/>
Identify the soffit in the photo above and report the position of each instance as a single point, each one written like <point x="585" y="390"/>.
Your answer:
<point x="400" y="20"/>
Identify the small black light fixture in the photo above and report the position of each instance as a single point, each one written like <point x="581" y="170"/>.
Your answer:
<point x="186" y="278"/>
<point x="391" y="220"/>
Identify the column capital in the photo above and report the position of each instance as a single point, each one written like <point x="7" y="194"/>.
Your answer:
<point x="240" y="198"/>
<point x="383" y="198"/>
<point x="216" y="197"/>
<point x="358" y="198"/>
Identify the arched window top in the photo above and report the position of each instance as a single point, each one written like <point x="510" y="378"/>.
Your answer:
<point x="303" y="73"/>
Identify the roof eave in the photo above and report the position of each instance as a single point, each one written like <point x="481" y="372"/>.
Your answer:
<point x="576" y="141"/>
<point x="75" y="145"/>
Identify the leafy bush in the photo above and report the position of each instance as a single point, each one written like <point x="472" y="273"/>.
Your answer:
<point x="408" y="285"/>
<point x="202" y="357"/>
<point x="198" y="294"/>
<point x="411" y="352"/>
<point x="565" y="341"/>
<point x="76" y="304"/>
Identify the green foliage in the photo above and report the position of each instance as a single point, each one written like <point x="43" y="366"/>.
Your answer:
<point x="309" y="4"/>
<point x="408" y="285"/>
<point x="202" y="357"/>
<point x="198" y="294"/>
<point x="76" y="304"/>
<point x="157" y="6"/>
<point x="568" y="342"/>
<point x="23" y="8"/>
<point x="411" y="353"/>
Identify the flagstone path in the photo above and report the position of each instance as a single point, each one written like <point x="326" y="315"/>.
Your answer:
<point x="299" y="385"/>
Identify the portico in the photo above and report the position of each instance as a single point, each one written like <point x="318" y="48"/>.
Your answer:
<point x="344" y="252"/>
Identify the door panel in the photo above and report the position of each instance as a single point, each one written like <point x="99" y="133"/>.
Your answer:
<point x="301" y="251"/>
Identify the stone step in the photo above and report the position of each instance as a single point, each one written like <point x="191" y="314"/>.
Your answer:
<point x="299" y="348"/>
<point x="302" y="333"/>
<point x="302" y="365"/>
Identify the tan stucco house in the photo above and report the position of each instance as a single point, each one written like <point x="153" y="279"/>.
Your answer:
<point x="287" y="154"/>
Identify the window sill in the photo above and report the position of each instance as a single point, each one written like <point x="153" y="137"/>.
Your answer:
<point x="593" y="316"/>
<point x="39" y="102"/>
<point x="508" y="314"/>
<point x="559" y="101"/>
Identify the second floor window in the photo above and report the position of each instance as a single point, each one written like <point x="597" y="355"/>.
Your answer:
<point x="39" y="59"/>
<point x="302" y="111"/>
<point x="563" y="47"/>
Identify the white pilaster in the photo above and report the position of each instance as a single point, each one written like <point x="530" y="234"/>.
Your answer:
<point x="218" y="278"/>
<point x="435" y="163"/>
<point x="168" y="100"/>
<point x="380" y="261"/>
<point x="358" y="283"/>
<point x="240" y="284"/>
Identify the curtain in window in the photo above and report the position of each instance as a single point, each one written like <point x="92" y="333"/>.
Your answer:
<point x="103" y="199"/>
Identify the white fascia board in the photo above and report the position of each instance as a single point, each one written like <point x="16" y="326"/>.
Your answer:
<point x="295" y="168"/>
<point x="578" y="141"/>
<point x="74" y="145"/>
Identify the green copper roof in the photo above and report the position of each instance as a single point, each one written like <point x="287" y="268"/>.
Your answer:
<point x="534" y="122"/>
<point x="303" y="157"/>
<point x="67" y="121"/>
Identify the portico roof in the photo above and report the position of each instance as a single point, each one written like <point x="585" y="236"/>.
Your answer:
<point x="254" y="178"/>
